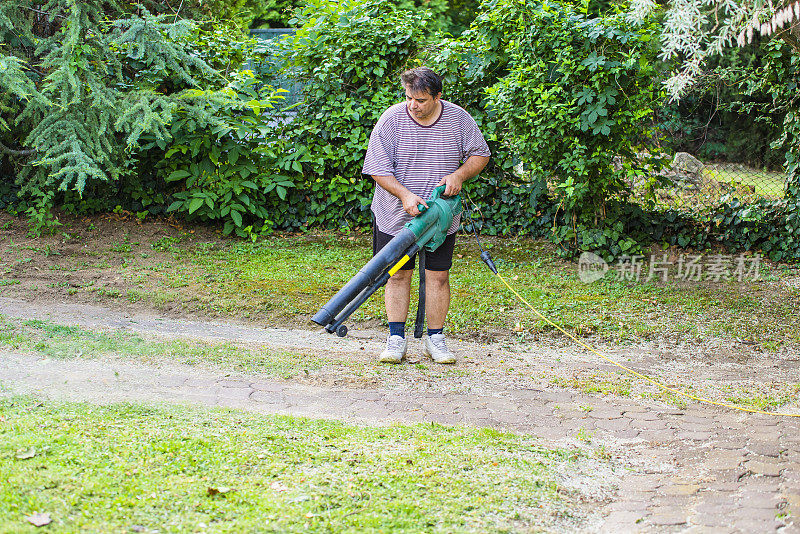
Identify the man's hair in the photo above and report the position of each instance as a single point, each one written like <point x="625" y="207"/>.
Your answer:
<point x="422" y="79"/>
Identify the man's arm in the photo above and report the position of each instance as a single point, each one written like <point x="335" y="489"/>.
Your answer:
<point x="469" y="169"/>
<point x="409" y="199"/>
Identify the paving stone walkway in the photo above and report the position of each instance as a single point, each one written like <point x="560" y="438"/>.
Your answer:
<point x="698" y="469"/>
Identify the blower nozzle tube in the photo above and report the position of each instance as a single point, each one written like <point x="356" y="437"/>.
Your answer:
<point x="369" y="274"/>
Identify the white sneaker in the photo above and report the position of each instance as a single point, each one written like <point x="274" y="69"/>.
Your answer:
<point x="435" y="347"/>
<point x="396" y="347"/>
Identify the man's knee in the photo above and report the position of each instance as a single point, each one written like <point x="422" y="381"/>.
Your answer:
<point x="400" y="278"/>
<point x="437" y="278"/>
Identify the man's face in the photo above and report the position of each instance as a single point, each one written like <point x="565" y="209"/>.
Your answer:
<point x="422" y="105"/>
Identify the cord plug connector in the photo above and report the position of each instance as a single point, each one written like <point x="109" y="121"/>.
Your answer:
<point x="487" y="259"/>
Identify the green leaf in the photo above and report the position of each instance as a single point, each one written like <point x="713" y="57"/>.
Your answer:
<point x="178" y="175"/>
<point x="255" y="105"/>
<point x="237" y="218"/>
<point x="195" y="204"/>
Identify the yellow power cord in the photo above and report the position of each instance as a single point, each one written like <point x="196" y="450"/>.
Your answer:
<point x="637" y="374"/>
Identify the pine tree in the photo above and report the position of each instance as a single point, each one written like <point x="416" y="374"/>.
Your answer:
<point x="82" y="81"/>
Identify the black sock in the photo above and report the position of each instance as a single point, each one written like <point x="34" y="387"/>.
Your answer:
<point x="397" y="329"/>
<point x="432" y="331"/>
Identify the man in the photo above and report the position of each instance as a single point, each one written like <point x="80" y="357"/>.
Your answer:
<point x="415" y="147"/>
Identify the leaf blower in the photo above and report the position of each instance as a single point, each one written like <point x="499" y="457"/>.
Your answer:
<point x="426" y="231"/>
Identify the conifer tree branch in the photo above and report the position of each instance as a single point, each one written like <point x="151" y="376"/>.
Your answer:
<point x="11" y="152"/>
<point x="100" y="78"/>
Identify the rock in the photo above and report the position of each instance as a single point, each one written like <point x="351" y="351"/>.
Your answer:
<point x="685" y="171"/>
<point x="686" y="163"/>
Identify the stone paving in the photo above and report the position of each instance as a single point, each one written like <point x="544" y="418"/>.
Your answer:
<point x="698" y="469"/>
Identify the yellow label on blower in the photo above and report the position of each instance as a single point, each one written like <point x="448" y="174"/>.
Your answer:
<point x="399" y="264"/>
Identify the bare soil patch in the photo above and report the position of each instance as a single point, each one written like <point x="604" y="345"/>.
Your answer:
<point x="121" y="266"/>
<point x="81" y="261"/>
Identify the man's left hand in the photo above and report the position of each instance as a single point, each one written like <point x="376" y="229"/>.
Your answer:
<point x="452" y="183"/>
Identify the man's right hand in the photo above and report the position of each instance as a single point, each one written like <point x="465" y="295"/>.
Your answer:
<point x="411" y="203"/>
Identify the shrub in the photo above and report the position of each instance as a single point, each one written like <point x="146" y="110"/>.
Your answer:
<point x="84" y="82"/>
<point x="567" y="96"/>
<point x="349" y="56"/>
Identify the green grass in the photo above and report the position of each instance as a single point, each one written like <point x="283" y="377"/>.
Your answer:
<point x="767" y="184"/>
<point x="282" y="280"/>
<point x="766" y="397"/>
<point x="285" y="280"/>
<point x="65" y="342"/>
<point x="597" y="383"/>
<point x="150" y="469"/>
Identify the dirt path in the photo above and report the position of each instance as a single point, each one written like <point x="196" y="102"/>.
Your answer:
<point x="695" y="469"/>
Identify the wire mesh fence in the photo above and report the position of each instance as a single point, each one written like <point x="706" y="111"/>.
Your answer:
<point x="690" y="184"/>
<point x="718" y="146"/>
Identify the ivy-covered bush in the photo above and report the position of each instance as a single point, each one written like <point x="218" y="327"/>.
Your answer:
<point x="567" y="97"/>
<point x="448" y="16"/>
<point x="349" y="56"/>
<point x="255" y="170"/>
<point x="230" y="170"/>
<point x="245" y="13"/>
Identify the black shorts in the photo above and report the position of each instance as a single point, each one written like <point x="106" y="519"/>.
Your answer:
<point x="440" y="259"/>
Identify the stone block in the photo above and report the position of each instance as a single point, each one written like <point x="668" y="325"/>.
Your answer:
<point x="762" y="467"/>
<point x="667" y="519"/>
<point x="229" y="383"/>
<point x="765" y="448"/>
<point x="680" y="489"/>
<point x="267" y="397"/>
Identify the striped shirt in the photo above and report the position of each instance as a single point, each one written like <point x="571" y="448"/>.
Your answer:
<point x="418" y="157"/>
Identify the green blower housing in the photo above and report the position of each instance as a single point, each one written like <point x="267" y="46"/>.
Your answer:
<point x="427" y="230"/>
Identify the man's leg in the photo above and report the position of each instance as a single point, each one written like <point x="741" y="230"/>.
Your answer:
<point x="437" y="300"/>
<point x="437" y="297"/>
<point x="437" y="282"/>
<point x="437" y="303"/>
<point x="398" y="296"/>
